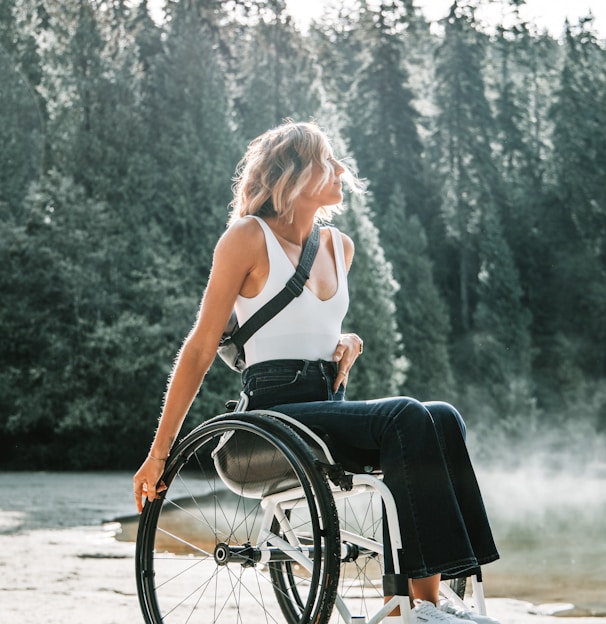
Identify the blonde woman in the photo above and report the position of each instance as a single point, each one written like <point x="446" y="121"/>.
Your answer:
<point x="288" y="178"/>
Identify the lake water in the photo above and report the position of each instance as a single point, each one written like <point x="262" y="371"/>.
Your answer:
<point x="551" y="532"/>
<point x="550" y="527"/>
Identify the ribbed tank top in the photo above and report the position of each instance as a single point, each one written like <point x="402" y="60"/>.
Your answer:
<point x="308" y="328"/>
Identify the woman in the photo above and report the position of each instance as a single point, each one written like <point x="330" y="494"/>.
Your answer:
<point x="288" y="178"/>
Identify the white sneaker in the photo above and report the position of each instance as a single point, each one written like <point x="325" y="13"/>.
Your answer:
<point x="465" y="614"/>
<point x="426" y="612"/>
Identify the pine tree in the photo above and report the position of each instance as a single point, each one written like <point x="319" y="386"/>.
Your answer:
<point x="462" y="140"/>
<point x="384" y="139"/>
<point x="191" y="147"/>
<point x="578" y="210"/>
<point x="579" y="135"/>
<point x="523" y="71"/>
<point x="277" y="76"/>
<point x="334" y="38"/>
<point x="422" y="315"/>
<point x="382" y="127"/>
<point x="381" y="371"/>
<point x="87" y="84"/>
<point x="501" y="336"/>
<point x="23" y="113"/>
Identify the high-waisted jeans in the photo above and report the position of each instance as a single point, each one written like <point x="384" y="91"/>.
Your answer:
<point x="420" y="448"/>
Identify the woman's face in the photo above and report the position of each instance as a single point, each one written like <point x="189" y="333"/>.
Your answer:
<point x="328" y="192"/>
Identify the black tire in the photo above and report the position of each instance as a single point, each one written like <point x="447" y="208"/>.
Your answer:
<point x="199" y="555"/>
<point x="458" y="586"/>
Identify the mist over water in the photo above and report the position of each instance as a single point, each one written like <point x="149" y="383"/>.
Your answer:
<point x="546" y="499"/>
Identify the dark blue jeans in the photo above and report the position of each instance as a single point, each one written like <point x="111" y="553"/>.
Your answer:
<point x="420" y="448"/>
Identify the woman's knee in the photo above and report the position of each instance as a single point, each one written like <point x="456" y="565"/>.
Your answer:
<point x="404" y="413"/>
<point x="446" y="415"/>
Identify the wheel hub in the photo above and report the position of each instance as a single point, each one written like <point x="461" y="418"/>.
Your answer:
<point x="245" y="555"/>
<point x="222" y="554"/>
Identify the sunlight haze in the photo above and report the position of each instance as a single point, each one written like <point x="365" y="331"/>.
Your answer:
<point x="546" y="14"/>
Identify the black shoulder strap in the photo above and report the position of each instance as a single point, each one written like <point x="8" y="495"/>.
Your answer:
<point x="293" y="288"/>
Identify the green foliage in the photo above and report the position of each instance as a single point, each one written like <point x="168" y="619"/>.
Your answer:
<point x="422" y="316"/>
<point x="187" y="161"/>
<point x="480" y="262"/>
<point x="501" y="340"/>
<point x="372" y="310"/>
<point x="382" y="128"/>
<point x="579" y="152"/>
<point x="463" y="153"/>
<point x="22" y="113"/>
<point x="82" y="307"/>
<point x="277" y="78"/>
<point x="579" y="168"/>
<point x="384" y="138"/>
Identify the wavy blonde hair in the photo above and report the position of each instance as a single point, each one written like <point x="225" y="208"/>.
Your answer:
<point x="278" y="165"/>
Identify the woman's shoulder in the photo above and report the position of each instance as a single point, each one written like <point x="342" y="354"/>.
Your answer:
<point x="243" y="235"/>
<point x="347" y="242"/>
<point x="245" y="228"/>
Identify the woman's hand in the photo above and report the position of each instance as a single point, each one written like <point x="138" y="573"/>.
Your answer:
<point x="349" y="348"/>
<point x="146" y="480"/>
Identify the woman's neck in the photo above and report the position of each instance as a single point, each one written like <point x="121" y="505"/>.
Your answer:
<point x="295" y="232"/>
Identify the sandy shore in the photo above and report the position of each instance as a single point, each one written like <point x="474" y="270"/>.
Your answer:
<point x="72" y="576"/>
<point x="83" y="575"/>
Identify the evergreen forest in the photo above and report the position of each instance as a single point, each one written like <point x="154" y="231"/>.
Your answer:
<point x="480" y="269"/>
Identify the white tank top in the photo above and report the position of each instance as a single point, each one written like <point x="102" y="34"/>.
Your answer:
<point x="307" y="328"/>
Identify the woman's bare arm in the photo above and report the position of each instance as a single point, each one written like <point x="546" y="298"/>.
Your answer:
<point x="238" y="260"/>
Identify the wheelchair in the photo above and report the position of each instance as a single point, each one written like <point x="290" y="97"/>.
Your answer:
<point x="260" y="524"/>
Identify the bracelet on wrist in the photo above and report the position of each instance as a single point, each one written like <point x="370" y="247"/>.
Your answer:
<point x="157" y="458"/>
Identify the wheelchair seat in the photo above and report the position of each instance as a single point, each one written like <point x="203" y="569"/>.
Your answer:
<point x="249" y="465"/>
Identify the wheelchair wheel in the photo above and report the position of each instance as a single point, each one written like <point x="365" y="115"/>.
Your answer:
<point x="360" y="590"/>
<point x="244" y="497"/>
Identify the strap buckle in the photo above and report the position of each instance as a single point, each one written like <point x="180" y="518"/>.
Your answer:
<point x="296" y="283"/>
